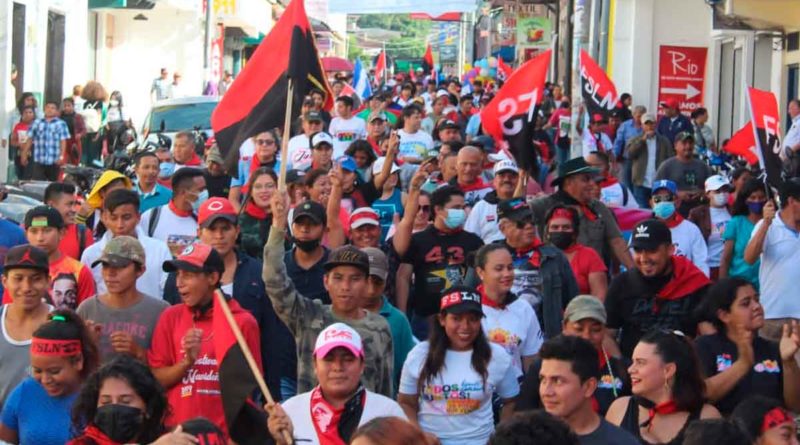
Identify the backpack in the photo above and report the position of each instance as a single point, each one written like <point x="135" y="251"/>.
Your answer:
<point x="153" y="223"/>
<point x="81" y="239"/>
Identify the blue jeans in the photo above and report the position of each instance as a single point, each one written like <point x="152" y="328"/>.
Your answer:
<point x="288" y="388"/>
<point x="642" y="195"/>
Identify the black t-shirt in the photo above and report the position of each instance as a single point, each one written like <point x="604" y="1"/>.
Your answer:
<point x="614" y="383"/>
<point x="632" y="306"/>
<point x="439" y="261"/>
<point x="218" y="186"/>
<point x="606" y="434"/>
<point x="718" y="353"/>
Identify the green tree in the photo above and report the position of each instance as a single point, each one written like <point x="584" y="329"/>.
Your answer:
<point x="414" y="33"/>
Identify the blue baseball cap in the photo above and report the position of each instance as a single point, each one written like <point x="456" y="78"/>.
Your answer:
<point x="665" y="184"/>
<point x="347" y="163"/>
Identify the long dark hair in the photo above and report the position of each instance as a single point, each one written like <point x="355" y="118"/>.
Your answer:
<point x="721" y="296"/>
<point x="21" y="102"/>
<point x="138" y="376"/>
<point x="63" y="324"/>
<point x="740" y="204"/>
<point x="439" y="343"/>
<point x="689" y="386"/>
<point x="257" y="174"/>
<point x="749" y="414"/>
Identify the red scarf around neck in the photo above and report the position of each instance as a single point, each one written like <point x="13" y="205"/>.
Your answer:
<point x="608" y="181"/>
<point x="674" y="220"/>
<point x="686" y="279"/>
<point x="255" y="211"/>
<point x="194" y="161"/>
<point x="326" y="418"/>
<point x="94" y="433"/>
<point x="488" y="301"/>
<point x="533" y="249"/>
<point x="662" y="408"/>
<point x="178" y="211"/>
<point x="478" y="184"/>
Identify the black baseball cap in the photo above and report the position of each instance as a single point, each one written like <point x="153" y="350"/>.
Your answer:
<point x="448" y="124"/>
<point x="684" y="136"/>
<point x="460" y="300"/>
<point x="26" y="256"/>
<point x="295" y="176"/>
<point x="311" y="209"/>
<point x="650" y="234"/>
<point x="313" y="116"/>
<point x="348" y="256"/>
<point x="515" y="209"/>
<point x="196" y="257"/>
<point x="43" y="216"/>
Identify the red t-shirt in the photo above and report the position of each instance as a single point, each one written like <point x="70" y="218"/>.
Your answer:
<point x="198" y="393"/>
<point x="70" y="244"/>
<point x="585" y="261"/>
<point x="71" y="282"/>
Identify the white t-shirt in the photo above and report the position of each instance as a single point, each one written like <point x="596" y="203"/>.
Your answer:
<point x="456" y="405"/>
<point x="688" y="241"/>
<point x="152" y="281"/>
<point x="298" y="408"/>
<point x="719" y="219"/>
<point x="482" y="221"/>
<point x="177" y="231"/>
<point x="515" y="328"/>
<point x="344" y="132"/>
<point x="650" y="169"/>
<point x="299" y="154"/>
<point x="779" y="260"/>
<point x="414" y="145"/>
<point x="614" y="196"/>
<point x="247" y="150"/>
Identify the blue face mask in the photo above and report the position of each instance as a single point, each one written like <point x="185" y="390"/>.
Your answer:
<point x="201" y="198"/>
<point x="756" y="207"/>
<point x="455" y="218"/>
<point x="664" y="209"/>
<point x="166" y="169"/>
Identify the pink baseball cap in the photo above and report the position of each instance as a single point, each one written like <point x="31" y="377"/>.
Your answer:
<point x="338" y="335"/>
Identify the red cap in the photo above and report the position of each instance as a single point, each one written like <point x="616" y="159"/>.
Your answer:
<point x="671" y="103"/>
<point x="364" y="216"/>
<point x="215" y="208"/>
<point x="196" y="257"/>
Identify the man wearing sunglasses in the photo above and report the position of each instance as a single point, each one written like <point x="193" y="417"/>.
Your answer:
<point x="686" y="236"/>
<point x="542" y="274"/>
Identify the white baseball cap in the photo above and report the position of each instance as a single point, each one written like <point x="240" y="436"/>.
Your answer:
<point x="714" y="183"/>
<point x="321" y="137"/>
<point x="505" y="165"/>
<point x="377" y="166"/>
<point x="338" y="335"/>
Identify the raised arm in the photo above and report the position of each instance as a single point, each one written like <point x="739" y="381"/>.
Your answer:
<point x="391" y="154"/>
<point x="336" y="236"/>
<point x="402" y="236"/>
<point x="756" y="244"/>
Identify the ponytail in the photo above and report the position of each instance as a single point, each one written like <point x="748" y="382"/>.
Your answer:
<point x="64" y="324"/>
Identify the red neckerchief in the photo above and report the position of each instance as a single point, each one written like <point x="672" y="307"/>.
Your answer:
<point x="326" y="418"/>
<point x="686" y="279"/>
<point x="601" y="359"/>
<point x="478" y="184"/>
<point x="94" y="433"/>
<point x="178" y="211"/>
<point x="375" y="147"/>
<point x="255" y="211"/>
<point x="673" y="221"/>
<point x="486" y="300"/>
<point x="536" y="256"/>
<point x="194" y="161"/>
<point x="663" y="408"/>
<point x="608" y="181"/>
<point x="595" y="405"/>
<point x="569" y="200"/>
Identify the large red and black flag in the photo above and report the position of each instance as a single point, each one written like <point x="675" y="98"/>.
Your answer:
<point x="256" y="101"/>
<point x="766" y="121"/>
<point x="380" y="68"/>
<point x="598" y="91"/>
<point x="510" y="118"/>
<point x="427" y="60"/>
<point x="246" y="421"/>
<point x="503" y="71"/>
<point x="743" y="143"/>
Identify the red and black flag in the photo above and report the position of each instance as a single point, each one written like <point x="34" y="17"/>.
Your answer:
<point x="246" y="421"/>
<point x="510" y="118"/>
<point x="380" y="68"/>
<point x="256" y="101"/>
<point x="427" y="60"/>
<point x="743" y="143"/>
<point x="598" y="91"/>
<point x="503" y="71"/>
<point x="766" y="128"/>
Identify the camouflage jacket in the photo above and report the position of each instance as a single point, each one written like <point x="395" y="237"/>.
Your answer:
<point x="306" y="318"/>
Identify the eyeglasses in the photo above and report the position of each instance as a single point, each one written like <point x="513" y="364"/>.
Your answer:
<point x="425" y="208"/>
<point x="661" y="198"/>
<point x="267" y="142"/>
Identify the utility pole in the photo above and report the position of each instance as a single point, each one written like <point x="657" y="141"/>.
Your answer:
<point x="207" y="41"/>
<point x="577" y="38"/>
<point x="568" y="50"/>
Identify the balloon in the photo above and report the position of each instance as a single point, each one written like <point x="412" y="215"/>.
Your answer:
<point x="467" y="67"/>
<point x="492" y="62"/>
<point x="492" y="72"/>
<point x="484" y="72"/>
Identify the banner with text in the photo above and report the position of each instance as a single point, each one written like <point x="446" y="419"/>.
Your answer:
<point x="681" y="76"/>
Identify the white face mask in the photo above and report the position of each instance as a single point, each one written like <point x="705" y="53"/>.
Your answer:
<point x="720" y="199"/>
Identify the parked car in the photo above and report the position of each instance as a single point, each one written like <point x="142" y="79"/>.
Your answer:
<point x="172" y="116"/>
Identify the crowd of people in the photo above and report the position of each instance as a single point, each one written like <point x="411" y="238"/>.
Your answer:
<point x="412" y="285"/>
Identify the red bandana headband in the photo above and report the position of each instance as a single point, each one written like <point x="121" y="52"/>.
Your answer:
<point x="775" y="417"/>
<point x="561" y="213"/>
<point x="55" y="348"/>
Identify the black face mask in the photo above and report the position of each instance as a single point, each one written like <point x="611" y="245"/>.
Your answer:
<point x="306" y="246"/>
<point x="562" y="240"/>
<point x="121" y="423"/>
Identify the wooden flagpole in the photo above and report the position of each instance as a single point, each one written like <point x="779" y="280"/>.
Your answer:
<point x="251" y="362"/>
<point x="287" y="131"/>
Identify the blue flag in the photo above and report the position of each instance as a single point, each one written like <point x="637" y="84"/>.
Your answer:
<point x="360" y="81"/>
